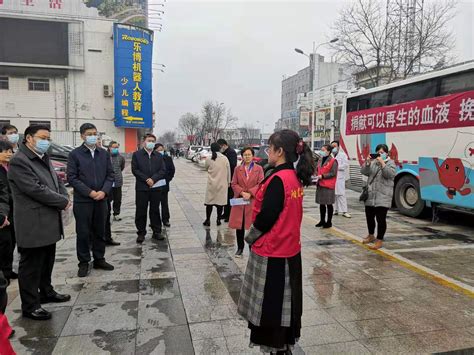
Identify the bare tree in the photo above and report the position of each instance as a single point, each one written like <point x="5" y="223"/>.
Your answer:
<point x="216" y="118"/>
<point x="368" y="41"/>
<point x="168" y="138"/>
<point x="190" y="124"/>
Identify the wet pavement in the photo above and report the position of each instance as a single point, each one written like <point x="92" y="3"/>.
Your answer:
<point x="179" y="296"/>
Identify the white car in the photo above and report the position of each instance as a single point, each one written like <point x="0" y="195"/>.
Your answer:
<point x="203" y="155"/>
<point x="192" y="151"/>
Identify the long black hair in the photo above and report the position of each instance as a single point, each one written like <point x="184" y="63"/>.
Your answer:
<point x="295" y="150"/>
<point x="215" y="147"/>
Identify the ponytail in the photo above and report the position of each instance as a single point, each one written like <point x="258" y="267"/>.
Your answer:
<point x="214" y="149"/>
<point x="305" y="167"/>
<point x="214" y="156"/>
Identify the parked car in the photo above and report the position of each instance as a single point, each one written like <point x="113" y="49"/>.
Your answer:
<point x="197" y="157"/>
<point x="192" y="150"/>
<point x="58" y="152"/>
<point x="60" y="169"/>
<point x="261" y="156"/>
<point x="202" y="156"/>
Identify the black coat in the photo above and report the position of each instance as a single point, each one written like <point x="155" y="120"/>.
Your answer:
<point x="145" y="166"/>
<point x="6" y="201"/>
<point x="86" y="174"/>
<point x="232" y="157"/>
<point x="170" y="170"/>
<point x="38" y="198"/>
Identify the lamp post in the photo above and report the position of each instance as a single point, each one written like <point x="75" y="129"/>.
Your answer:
<point x="312" y="64"/>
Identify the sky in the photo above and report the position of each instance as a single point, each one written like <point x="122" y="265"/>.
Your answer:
<point x="236" y="52"/>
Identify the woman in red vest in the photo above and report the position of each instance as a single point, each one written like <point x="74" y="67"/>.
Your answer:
<point x="247" y="177"/>
<point x="326" y="189"/>
<point x="271" y="295"/>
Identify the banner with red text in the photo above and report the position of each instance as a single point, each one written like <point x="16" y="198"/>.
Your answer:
<point x="450" y="111"/>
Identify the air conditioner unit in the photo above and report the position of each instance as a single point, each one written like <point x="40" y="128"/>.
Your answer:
<point x="108" y="91"/>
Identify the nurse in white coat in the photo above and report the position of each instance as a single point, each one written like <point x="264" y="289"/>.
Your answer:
<point x="342" y="176"/>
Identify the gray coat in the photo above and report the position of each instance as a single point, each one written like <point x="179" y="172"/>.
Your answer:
<point x="381" y="190"/>
<point x="118" y="164"/>
<point x="38" y="198"/>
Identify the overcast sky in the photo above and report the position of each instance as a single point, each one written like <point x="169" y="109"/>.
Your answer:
<point x="236" y="52"/>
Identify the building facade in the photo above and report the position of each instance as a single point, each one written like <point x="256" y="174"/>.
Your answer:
<point x="63" y="73"/>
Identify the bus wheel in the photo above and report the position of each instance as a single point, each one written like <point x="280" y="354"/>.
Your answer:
<point x="408" y="196"/>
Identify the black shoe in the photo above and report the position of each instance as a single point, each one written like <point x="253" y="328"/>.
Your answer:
<point x="103" y="265"/>
<point x="218" y="222"/>
<point x="83" y="270"/>
<point x="140" y="239"/>
<point x="56" y="298"/>
<point x="167" y="224"/>
<point x="238" y="253"/>
<point x="158" y="236"/>
<point x="226" y="220"/>
<point x="327" y="225"/>
<point x="39" y="314"/>
<point x="111" y="242"/>
<point x="13" y="275"/>
<point x="320" y="224"/>
<point x="206" y="223"/>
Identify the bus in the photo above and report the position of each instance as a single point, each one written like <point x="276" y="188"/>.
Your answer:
<point x="427" y="122"/>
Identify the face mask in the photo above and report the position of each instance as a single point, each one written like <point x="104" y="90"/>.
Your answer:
<point x="150" y="145"/>
<point x="91" y="140"/>
<point x="162" y="153"/>
<point x="42" y="146"/>
<point x="13" y="138"/>
<point x="334" y="150"/>
<point x="323" y="153"/>
<point x="383" y="156"/>
<point x="114" y="151"/>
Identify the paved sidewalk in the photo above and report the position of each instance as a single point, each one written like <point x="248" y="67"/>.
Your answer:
<point x="179" y="296"/>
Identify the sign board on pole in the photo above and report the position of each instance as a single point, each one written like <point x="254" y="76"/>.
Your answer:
<point x="320" y="118"/>
<point x="304" y="118"/>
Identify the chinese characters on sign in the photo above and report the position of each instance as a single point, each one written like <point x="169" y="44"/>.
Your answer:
<point x="133" y="55"/>
<point x="456" y="110"/>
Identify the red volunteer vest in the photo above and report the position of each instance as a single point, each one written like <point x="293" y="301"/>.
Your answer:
<point x="283" y="240"/>
<point x="328" y="183"/>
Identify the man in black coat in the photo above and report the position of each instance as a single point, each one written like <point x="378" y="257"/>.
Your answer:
<point x="38" y="197"/>
<point x="148" y="167"/>
<point x="90" y="173"/>
<point x="170" y="170"/>
<point x="232" y="157"/>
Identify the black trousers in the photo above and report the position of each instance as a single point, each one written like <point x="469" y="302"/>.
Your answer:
<point x="116" y="197"/>
<point x="34" y="275"/>
<point x="7" y="246"/>
<point x="91" y="219"/>
<point x="240" y="234"/>
<point x="165" y="208"/>
<point x="209" y="212"/>
<point x="143" y="199"/>
<point x="376" y="213"/>
<point x="322" y="212"/>
<point x="228" y="207"/>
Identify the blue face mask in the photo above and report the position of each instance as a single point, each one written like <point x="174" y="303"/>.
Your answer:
<point x="334" y="150"/>
<point x="13" y="138"/>
<point x="114" y="151"/>
<point x="150" y="145"/>
<point x="42" y="146"/>
<point x="162" y="153"/>
<point x="383" y="156"/>
<point x="91" y="140"/>
<point x="323" y="153"/>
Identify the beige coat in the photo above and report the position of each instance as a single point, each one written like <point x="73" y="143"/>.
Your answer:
<point x="218" y="180"/>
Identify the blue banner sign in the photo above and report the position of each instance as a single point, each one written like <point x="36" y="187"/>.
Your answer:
<point x="133" y="49"/>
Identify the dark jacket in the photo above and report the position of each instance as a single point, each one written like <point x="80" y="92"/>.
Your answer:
<point x="118" y="164"/>
<point x="86" y="174"/>
<point x="38" y="198"/>
<point x="6" y="201"/>
<point x="232" y="157"/>
<point x="170" y="170"/>
<point x="146" y="166"/>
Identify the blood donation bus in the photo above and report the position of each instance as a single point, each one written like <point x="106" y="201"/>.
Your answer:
<point x="427" y="121"/>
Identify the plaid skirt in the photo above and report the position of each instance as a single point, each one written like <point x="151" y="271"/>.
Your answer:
<point x="271" y="299"/>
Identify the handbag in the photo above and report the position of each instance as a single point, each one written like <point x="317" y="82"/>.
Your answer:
<point x="364" y="195"/>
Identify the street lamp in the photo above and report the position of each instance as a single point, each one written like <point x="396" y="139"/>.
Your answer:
<point x="312" y="62"/>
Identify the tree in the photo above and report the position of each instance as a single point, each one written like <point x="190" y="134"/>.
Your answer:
<point x="168" y="138"/>
<point x="189" y="123"/>
<point x="368" y="39"/>
<point x="216" y="118"/>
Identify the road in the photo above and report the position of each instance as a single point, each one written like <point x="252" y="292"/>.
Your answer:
<point x="179" y="296"/>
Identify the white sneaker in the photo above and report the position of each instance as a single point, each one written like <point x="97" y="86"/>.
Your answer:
<point x="347" y="215"/>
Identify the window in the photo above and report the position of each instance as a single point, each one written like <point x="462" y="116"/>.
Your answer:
<point x="38" y="84"/>
<point x="44" y="123"/>
<point x="417" y="91"/>
<point x="4" y="83"/>
<point x="379" y="99"/>
<point x="4" y="123"/>
<point x="457" y="83"/>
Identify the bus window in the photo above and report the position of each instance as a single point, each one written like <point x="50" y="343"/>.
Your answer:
<point x="417" y="91"/>
<point x="457" y="83"/>
<point x="363" y="102"/>
<point x="352" y="104"/>
<point x="379" y="99"/>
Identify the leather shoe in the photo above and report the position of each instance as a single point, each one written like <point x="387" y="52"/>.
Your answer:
<point x="56" y="298"/>
<point x="103" y="265"/>
<point x="111" y="242"/>
<point x="167" y="224"/>
<point x="39" y="314"/>
<point x="140" y="239"/>
<point x="158" y="236"/>
<point x="83" y="270"/>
